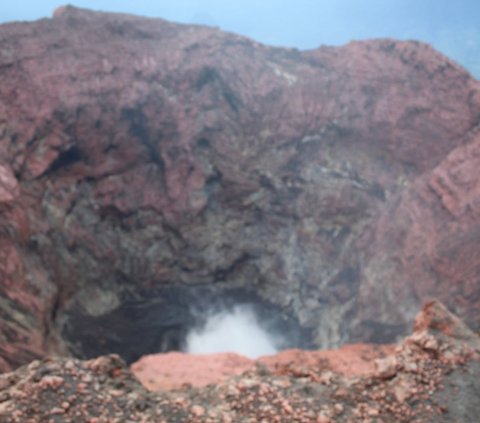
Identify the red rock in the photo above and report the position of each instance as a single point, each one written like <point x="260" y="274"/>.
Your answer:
<point x="387" y="367"/>
<point x="198" y="411"/>
<point x="174" y="370"/>
<point x="53" y="382"/>
<point x="9" y="188"/>
<point x="430" y="251"/>
<point x="353" y="360"/>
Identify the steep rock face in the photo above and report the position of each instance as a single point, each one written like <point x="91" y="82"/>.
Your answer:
<point x="137" y="154"/>
<point x="433" y="242"/>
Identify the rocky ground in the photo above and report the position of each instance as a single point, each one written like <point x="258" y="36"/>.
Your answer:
<point x="432" y="376"/>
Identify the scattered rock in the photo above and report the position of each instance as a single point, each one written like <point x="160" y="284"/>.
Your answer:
<point x="424" y="387"/>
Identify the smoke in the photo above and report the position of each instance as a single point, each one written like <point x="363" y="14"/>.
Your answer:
<point x="237" y="330"/>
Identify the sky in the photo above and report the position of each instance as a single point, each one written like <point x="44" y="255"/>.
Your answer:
<point x="451" y="26"/>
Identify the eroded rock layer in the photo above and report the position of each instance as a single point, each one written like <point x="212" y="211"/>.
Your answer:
<point x="137" y="154"/>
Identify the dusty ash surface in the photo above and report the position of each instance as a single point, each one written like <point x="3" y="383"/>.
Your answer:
<point x="138" y="156"/>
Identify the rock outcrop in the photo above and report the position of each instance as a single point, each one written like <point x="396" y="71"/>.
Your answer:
<point x="138" y="155"/>
<point x="433" y="376"/>
<point x="174" y="370"/>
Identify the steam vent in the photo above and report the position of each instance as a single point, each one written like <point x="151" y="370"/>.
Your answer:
<point x="164" y="183"/>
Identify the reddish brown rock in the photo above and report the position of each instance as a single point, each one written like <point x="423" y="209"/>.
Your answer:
<point x="9" y="189"/>
<point x="138" y="156"/>
<point x="349" y="360"/>
<point x="174" y="370"/>
<point x="431" y="250"/>
<point x="427" y="385"/>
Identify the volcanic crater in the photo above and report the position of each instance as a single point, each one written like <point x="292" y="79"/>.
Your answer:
<point x="150" y="171"/>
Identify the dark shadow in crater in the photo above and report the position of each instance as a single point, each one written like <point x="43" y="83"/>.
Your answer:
<point x="160" y="321"/>
<point x="65" y="159"/>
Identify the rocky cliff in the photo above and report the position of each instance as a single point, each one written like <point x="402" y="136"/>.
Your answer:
<point x="142" y="160"/>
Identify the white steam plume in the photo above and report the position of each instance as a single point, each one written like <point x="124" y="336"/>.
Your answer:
<point x="236" y="330"/>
